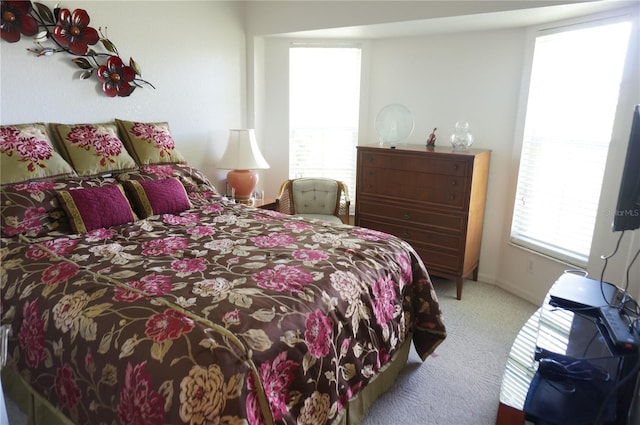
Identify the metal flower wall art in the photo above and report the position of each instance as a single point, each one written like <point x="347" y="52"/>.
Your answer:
<point x="65" y="31"/>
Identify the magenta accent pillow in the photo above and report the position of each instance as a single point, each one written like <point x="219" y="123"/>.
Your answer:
<point x="96" y="207"/>
<point x="153" y="197"/>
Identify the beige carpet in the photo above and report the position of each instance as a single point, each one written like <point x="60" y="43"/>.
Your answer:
<point x="460" y="383"/>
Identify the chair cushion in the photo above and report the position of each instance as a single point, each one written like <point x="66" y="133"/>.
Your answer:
<point x="323" y="217"/>
<point x="315" y="196"/>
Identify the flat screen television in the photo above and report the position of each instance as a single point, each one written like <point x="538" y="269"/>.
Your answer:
<point x="627" y="216"/>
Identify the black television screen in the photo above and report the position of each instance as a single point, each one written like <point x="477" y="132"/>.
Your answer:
<point x="627" y="215"/>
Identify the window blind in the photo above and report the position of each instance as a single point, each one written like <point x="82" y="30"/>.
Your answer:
<point x="573" y="93"/>
<point x="324" y="100"/>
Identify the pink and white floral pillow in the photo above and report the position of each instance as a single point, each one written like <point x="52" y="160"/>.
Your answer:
<point x="27" y="154"/>
<point x="92" y="149"/>
<point x="149" y="143"/>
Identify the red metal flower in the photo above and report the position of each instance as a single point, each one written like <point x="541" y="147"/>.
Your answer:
<point x="16" y="20"/>
<point x="73" y="31"/>
<point x="115" y="77"/>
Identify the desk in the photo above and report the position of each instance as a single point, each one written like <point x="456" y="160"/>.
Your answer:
<point x="572" y="334"/>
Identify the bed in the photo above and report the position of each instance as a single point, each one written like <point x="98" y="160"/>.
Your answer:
<point x="136" y="293"/>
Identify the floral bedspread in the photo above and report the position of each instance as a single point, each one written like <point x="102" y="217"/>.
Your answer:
<point x="221" y="314"/>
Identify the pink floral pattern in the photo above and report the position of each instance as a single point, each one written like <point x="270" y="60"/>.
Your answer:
<point x="58" y="246"/>
<point x="101" y="140"/>
<point x="174" y="317"/>
<point x="31" y="146"/>
<point x="166" y="246"/>
<point x="311" y="255"/>
<point x="35" y="188"/>
<point x="384" y="295"/>
<point x="32" y="335"/>
<point x="283" y="278"/>
<point x="276" y="378"/>
<point x="188" y="265"/>
<point x="155" y="134"/>
<point x="67" y="390"/>
<point x="169" y="324"/>
<point x="317" y="336"/>
<point x="59" y="273"/>
<point x="148" y="286"/>
<point x="139" y="402"/>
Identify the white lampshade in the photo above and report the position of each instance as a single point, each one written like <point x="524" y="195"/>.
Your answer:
<point x="242" y="152"/>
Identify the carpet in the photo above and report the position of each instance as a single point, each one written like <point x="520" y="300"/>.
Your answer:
<point x="460" y="383"/>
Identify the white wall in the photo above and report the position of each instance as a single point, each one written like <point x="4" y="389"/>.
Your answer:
<point x="442" y="79"/>
<point x="529" y="274"/>
<point x="192" y="51"/>
<point x="475" y="76"/>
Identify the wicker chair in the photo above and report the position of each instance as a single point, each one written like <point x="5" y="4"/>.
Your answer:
<point x="315" y="197"/>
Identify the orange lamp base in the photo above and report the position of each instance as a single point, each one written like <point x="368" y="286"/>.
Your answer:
<point x="242" y="183"/>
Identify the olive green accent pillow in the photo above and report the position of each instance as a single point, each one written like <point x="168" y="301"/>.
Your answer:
<point x="149" y="143"/>
<point x="92" y="149"/>
<point x="26" y="153"/>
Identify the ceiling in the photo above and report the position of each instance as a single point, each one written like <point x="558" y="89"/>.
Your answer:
<point x="462" y="23"/>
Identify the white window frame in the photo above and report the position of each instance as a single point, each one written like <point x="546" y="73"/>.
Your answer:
<point x="345" y="170"/>
<point x="548" y="247"/>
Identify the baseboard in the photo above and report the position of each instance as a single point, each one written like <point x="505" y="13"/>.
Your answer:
<point x="512" y="288"/>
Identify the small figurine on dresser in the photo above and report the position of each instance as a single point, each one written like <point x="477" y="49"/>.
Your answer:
<point x="431" y="140"/>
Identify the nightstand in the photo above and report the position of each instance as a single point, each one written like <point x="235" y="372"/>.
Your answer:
<point x="265" y="204"/>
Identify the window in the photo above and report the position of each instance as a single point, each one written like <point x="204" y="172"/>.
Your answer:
<point x="573" y="93"/>
<point x="324" y="99"/>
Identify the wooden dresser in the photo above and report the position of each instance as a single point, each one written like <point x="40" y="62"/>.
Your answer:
<point x="432" y="198"/>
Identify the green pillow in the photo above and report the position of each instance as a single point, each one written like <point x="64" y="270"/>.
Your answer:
<point x="92" y="149"/>
<point x="26" y="153"/>
<point x="149" y="143"/>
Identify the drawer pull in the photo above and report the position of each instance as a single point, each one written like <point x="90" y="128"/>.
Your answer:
<point x="405" y="234"/>
<point x="452" y="196"/>
<point x="369" y="186"/>
<point x="371" y="172"/>
<point x="455" y="166"/>
<point x="454" y="182"/>
<point x="406" y="216"/>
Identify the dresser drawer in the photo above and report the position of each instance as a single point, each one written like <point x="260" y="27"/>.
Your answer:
<point x="432" y="198"/>
<point x="411" y="216"/>
<point x="417" y="236"/>
<point x="438" y="261"/>
<point x="392" y="161"/>
<point x="415" y="186"/>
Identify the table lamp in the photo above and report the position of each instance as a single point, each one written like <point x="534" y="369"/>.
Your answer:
<point x="242" y="157"/>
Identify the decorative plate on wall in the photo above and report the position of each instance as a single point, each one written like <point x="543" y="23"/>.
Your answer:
<point x="394" y="123"/>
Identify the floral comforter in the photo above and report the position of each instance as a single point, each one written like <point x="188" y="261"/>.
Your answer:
<point x="221" y="314"/>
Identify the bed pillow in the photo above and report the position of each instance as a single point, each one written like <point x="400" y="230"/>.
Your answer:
<point x="96" y="207"/>
<point x="153" y="197"/>
<point x="191" y="178"/>
<point x="149" y="143"/>
<point x="26" y="153"/>
<point x="92" y="149"/>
